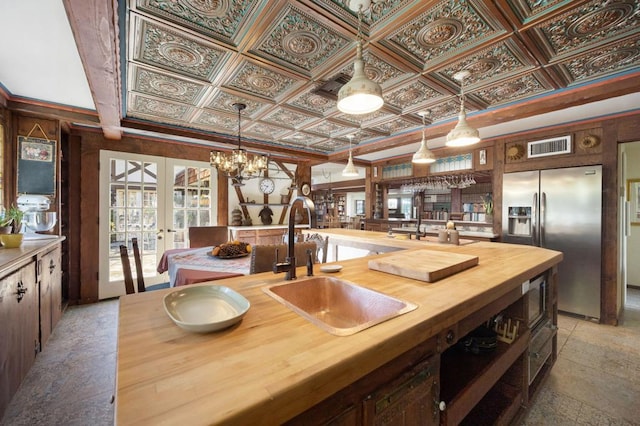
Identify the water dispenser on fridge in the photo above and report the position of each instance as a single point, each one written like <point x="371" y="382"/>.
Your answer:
<point x="519" y="221"/>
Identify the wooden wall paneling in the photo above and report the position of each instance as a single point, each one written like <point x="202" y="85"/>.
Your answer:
<point x="498" y="171"/>
<point x="609" y="288"/>
<point x="70" y="217"/>
<point x="88" y="173"/>
<point x="628" y="128"/>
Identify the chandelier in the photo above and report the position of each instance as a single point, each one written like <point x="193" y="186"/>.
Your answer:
<point x="360" y="95"/>
<point x="238" y="165"/>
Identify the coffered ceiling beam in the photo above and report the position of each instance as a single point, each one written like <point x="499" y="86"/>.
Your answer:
<point x="94" y="24"/>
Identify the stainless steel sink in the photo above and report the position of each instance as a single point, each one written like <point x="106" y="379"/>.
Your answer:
<point x="338" y="306"/>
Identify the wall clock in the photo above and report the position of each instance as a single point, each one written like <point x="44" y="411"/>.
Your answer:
<point x="267" y="186"/>
<point x="306" y="189"/>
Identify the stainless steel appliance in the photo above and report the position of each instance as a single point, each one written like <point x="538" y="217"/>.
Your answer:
<point x="560" y="209"/>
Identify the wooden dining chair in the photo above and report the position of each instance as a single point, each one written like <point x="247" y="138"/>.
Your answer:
<point x="322" y="244"/>
<point x="205" y="236"/>
<point x="263" y="256"/>
<point x="126" y="270"/>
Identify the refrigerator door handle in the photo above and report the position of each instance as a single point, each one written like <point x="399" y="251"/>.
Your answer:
<point x="543" y="207"/>
<point x="627" y="219"/>
<point x="534" y="224"/>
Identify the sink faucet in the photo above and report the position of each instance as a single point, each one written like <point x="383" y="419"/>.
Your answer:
<point x="289" y="266"/>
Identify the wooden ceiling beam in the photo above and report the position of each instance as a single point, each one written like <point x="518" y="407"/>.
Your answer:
<point x="94" y="24"/>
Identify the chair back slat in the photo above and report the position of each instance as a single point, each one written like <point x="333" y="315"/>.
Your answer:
<point x="205" y="236"/>
<point x="126" y="270"/>
<point x="138" y="261"/>
<point x="263" y="256"/>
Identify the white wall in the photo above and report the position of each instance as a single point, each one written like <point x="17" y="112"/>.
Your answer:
<point x="632" y="151"/>
<point x="351" y="202"/>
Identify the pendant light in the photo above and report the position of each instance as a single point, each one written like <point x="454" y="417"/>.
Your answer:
<point x="350" y="170"/>
<point x="423" y="155"/>
<point x="462" y="134"/>
<point x="360" y="95"/>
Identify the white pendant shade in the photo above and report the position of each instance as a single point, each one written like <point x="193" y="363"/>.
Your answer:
<point x="462" y="134"/>
<point x="350" y="170"/>
<point x="423" y="155"/>
<point x="360" y="95"/>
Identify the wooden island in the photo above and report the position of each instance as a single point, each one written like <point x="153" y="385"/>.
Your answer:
<point x="275" y="367"/>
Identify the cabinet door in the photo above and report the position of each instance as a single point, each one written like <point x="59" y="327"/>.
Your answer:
<point x="50" y="293"/>
<point x="18" y="329"/>
<point x="410" y="399"/>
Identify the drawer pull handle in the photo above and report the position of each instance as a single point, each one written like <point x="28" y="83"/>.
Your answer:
<point x="20" y="291"/>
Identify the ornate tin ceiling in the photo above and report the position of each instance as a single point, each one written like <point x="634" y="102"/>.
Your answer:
<point x="188" y="61"/>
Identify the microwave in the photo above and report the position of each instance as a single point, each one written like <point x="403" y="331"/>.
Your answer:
<point x="537" y="298"/>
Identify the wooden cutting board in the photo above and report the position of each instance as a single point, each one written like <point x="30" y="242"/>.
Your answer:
<point x="424" y="265"/>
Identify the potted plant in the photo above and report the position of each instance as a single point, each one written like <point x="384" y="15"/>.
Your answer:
<point x="12" y="222"/>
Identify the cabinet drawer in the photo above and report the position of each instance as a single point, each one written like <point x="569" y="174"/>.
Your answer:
<point x="540" y="348"/>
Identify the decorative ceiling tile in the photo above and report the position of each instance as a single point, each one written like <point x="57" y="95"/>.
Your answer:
<point x="512" y="90"/>
<point x="219" y="122"/>
<point x="140" y="104"/>
<point x="328" y="128"/>
<point x="313" y="102"/>
<point x="167" y="49"/>
<point x="265" y="131"/>
<point x="589" y="25"/>
<point x="446" y="110"/>
<point x="297" y="39"/>
<point x="165" y="86"/>
<point x="597" y="63"/>
<point x="223" y="101"/>
<point x="301" y="138"/>
<point x="330" y="145"/>
<point x="498" y="61"/>
<point x="359" y="120"/>
<point x="529" y="10"/>
<point x="260" y="81"/>
<point x="378" y="12"/>
<point x="395" y="126"/>
<point x="288" y="118"/>
<point x="375" y="68"/>
<point x="218" y="19"/>
<point x="412" y="94"/>
<point x="444" y="31"/>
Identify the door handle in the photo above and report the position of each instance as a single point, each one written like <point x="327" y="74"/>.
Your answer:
<point x="534" y="213"/>
<point x="543" y="208"/>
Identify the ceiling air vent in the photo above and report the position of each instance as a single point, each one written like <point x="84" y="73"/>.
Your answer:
<point x="331" y="87"/>
<point x="555" y="146"/>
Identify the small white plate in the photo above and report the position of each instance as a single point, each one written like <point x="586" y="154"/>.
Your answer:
<point x="331" y="268"/>
<point x="207" y="308"/>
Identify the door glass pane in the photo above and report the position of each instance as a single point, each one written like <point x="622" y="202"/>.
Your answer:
<point x="191" y="201"/>
<point x="133" y="213"/>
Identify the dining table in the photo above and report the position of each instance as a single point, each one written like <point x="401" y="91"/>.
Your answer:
<point x="188" y="266"/>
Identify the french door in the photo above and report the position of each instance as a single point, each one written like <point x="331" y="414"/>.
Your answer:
<point x="155" y="200"/>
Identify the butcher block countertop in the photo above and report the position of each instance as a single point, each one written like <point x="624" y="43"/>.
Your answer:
<point x="274" y="364"/>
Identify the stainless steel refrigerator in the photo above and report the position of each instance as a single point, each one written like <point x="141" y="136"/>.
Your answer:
<point x="560" y="209"/>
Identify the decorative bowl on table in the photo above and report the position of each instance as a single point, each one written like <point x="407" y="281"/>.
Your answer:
<point x="231" y="250"/>
<point x="203" y="309"/>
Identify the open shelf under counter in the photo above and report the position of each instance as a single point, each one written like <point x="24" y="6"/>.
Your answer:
<point x="466" y="378"/>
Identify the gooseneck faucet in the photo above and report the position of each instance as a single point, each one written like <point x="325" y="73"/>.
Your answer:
<point x="289" y="266"/>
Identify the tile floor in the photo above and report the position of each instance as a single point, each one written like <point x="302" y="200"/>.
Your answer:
<point x="596" y="380"/>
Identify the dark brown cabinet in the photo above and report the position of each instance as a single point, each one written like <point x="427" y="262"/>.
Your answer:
<point x="19" y="328"/>
<point x="49" y="277"/>
<point x="30" y="307"/>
